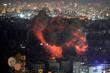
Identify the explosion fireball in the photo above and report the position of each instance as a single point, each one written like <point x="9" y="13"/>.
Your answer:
<point x="56" y="33"/>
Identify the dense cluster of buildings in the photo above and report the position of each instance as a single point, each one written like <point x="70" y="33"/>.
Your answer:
<point x="62" y="8"/>
<point x="55" y="66"/>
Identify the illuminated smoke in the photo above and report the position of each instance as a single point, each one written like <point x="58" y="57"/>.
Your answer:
<point x="56" y="51"/>
<point x="55" y="27"/>
<point x="82" y="45"/>
<point x="79" y="42"/>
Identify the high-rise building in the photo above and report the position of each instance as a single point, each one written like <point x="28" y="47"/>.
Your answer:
<point x="80" y="67"/>
<point x="93" y="69"/>
<point x="54" y="66"/>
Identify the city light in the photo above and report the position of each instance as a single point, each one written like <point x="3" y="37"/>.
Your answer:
<point x="99" y="67"/>
<point x="21" y="15"/>
<point x="55" y="36"/>
<point x="5" y="4"/>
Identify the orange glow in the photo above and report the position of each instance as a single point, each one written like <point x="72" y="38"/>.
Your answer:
<point x="40" y="37"/>
<point x="77" y="39"/>
<point x="80" y="36"/>
<point x="49" y="72"/>
<point x="79" y="42"/>
<point x="82" y="47"/>
<point x="17" y="67"/>
<point x="56" y="51"/>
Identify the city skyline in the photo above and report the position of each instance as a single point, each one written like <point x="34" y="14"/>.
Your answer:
<point x="105" y="2"/>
